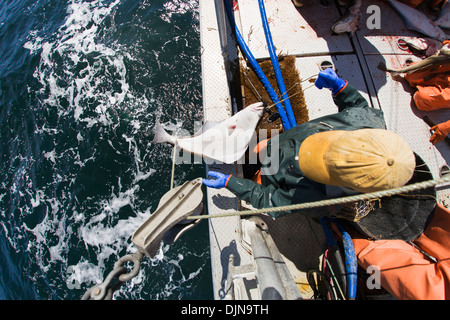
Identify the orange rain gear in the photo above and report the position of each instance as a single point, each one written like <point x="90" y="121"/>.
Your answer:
<point x="260" y="147"/>
<point x="440" y="132"/>
<point x="433" y="88"/>
<point x="405" y="271"/>
<point x="433" y="93"/>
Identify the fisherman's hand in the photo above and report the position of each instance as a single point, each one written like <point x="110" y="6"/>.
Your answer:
<point x="220" y="181"/>
<point x="330" y="80"/>
<point x="440" y="132"/>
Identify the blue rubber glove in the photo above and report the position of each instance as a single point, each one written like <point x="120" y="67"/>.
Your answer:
<point x="220" y="181"/>
<point x="330" y="80"/>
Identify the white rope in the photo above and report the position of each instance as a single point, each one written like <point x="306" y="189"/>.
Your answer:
<point x="330" y="202"/>
<point x="173" y="164"/>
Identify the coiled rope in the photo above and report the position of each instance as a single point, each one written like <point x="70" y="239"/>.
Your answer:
<point x="330" y="202"/>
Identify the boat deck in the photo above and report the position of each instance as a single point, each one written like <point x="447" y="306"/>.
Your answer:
<point x="306" y="33"/>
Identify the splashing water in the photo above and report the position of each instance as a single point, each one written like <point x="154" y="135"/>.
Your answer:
<point x="79" y="172"/>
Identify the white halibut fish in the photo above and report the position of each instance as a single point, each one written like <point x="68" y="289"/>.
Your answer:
<point x="443" y="20"/>
<point x="417" y="21"/>
<point x="226" y="141"/>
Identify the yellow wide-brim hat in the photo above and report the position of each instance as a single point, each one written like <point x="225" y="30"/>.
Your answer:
<point x="366" y="160"/>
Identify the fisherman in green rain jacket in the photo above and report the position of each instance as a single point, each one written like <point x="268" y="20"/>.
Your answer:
<point x="344" y="153"/>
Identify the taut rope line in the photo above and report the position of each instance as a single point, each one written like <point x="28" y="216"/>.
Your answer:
<point x="330" y="202"/>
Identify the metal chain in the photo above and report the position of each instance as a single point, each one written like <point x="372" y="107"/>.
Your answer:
<point x="105" y="290"/>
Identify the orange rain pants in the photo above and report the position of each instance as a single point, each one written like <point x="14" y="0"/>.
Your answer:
<point x="261" y="146"/>
<point x="433" y="88"/>
<point x="407" y="273"/>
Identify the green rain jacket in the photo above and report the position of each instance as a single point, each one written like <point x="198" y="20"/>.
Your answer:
<point x="288" y="185"/>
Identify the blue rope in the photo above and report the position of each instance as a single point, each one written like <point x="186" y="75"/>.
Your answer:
<point x="276" y="66"/>
<point x="273" y="95"/>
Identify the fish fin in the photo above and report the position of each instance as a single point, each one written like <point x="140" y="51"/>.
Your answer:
<point x="161" y="135"/>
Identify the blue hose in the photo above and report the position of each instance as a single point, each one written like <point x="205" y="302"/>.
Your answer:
<point x="328" y="231"/>
<point x="246" y="51"/>
<point x="276" y="65"/>
<point x="351" y="263"/>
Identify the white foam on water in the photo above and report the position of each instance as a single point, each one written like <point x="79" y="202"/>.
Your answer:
<point x="69" y="68"/>
<point x="139" y="175"/>
<point x="108" y="239"/>
<point x="178" y="7"/>
<point x="75" y="41"/>
<point x="50" y="155"/>
<point x="175" y="280"/>
<point x="84" y="272"/>
<point x="68" y="72"/>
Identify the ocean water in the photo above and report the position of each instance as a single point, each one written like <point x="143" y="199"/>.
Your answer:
<point x="81" y="84"/>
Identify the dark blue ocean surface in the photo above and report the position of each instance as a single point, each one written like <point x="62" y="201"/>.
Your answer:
<point x="81" y="84"/>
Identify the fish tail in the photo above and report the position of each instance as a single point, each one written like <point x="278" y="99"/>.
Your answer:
<point x="161" y="135"/>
